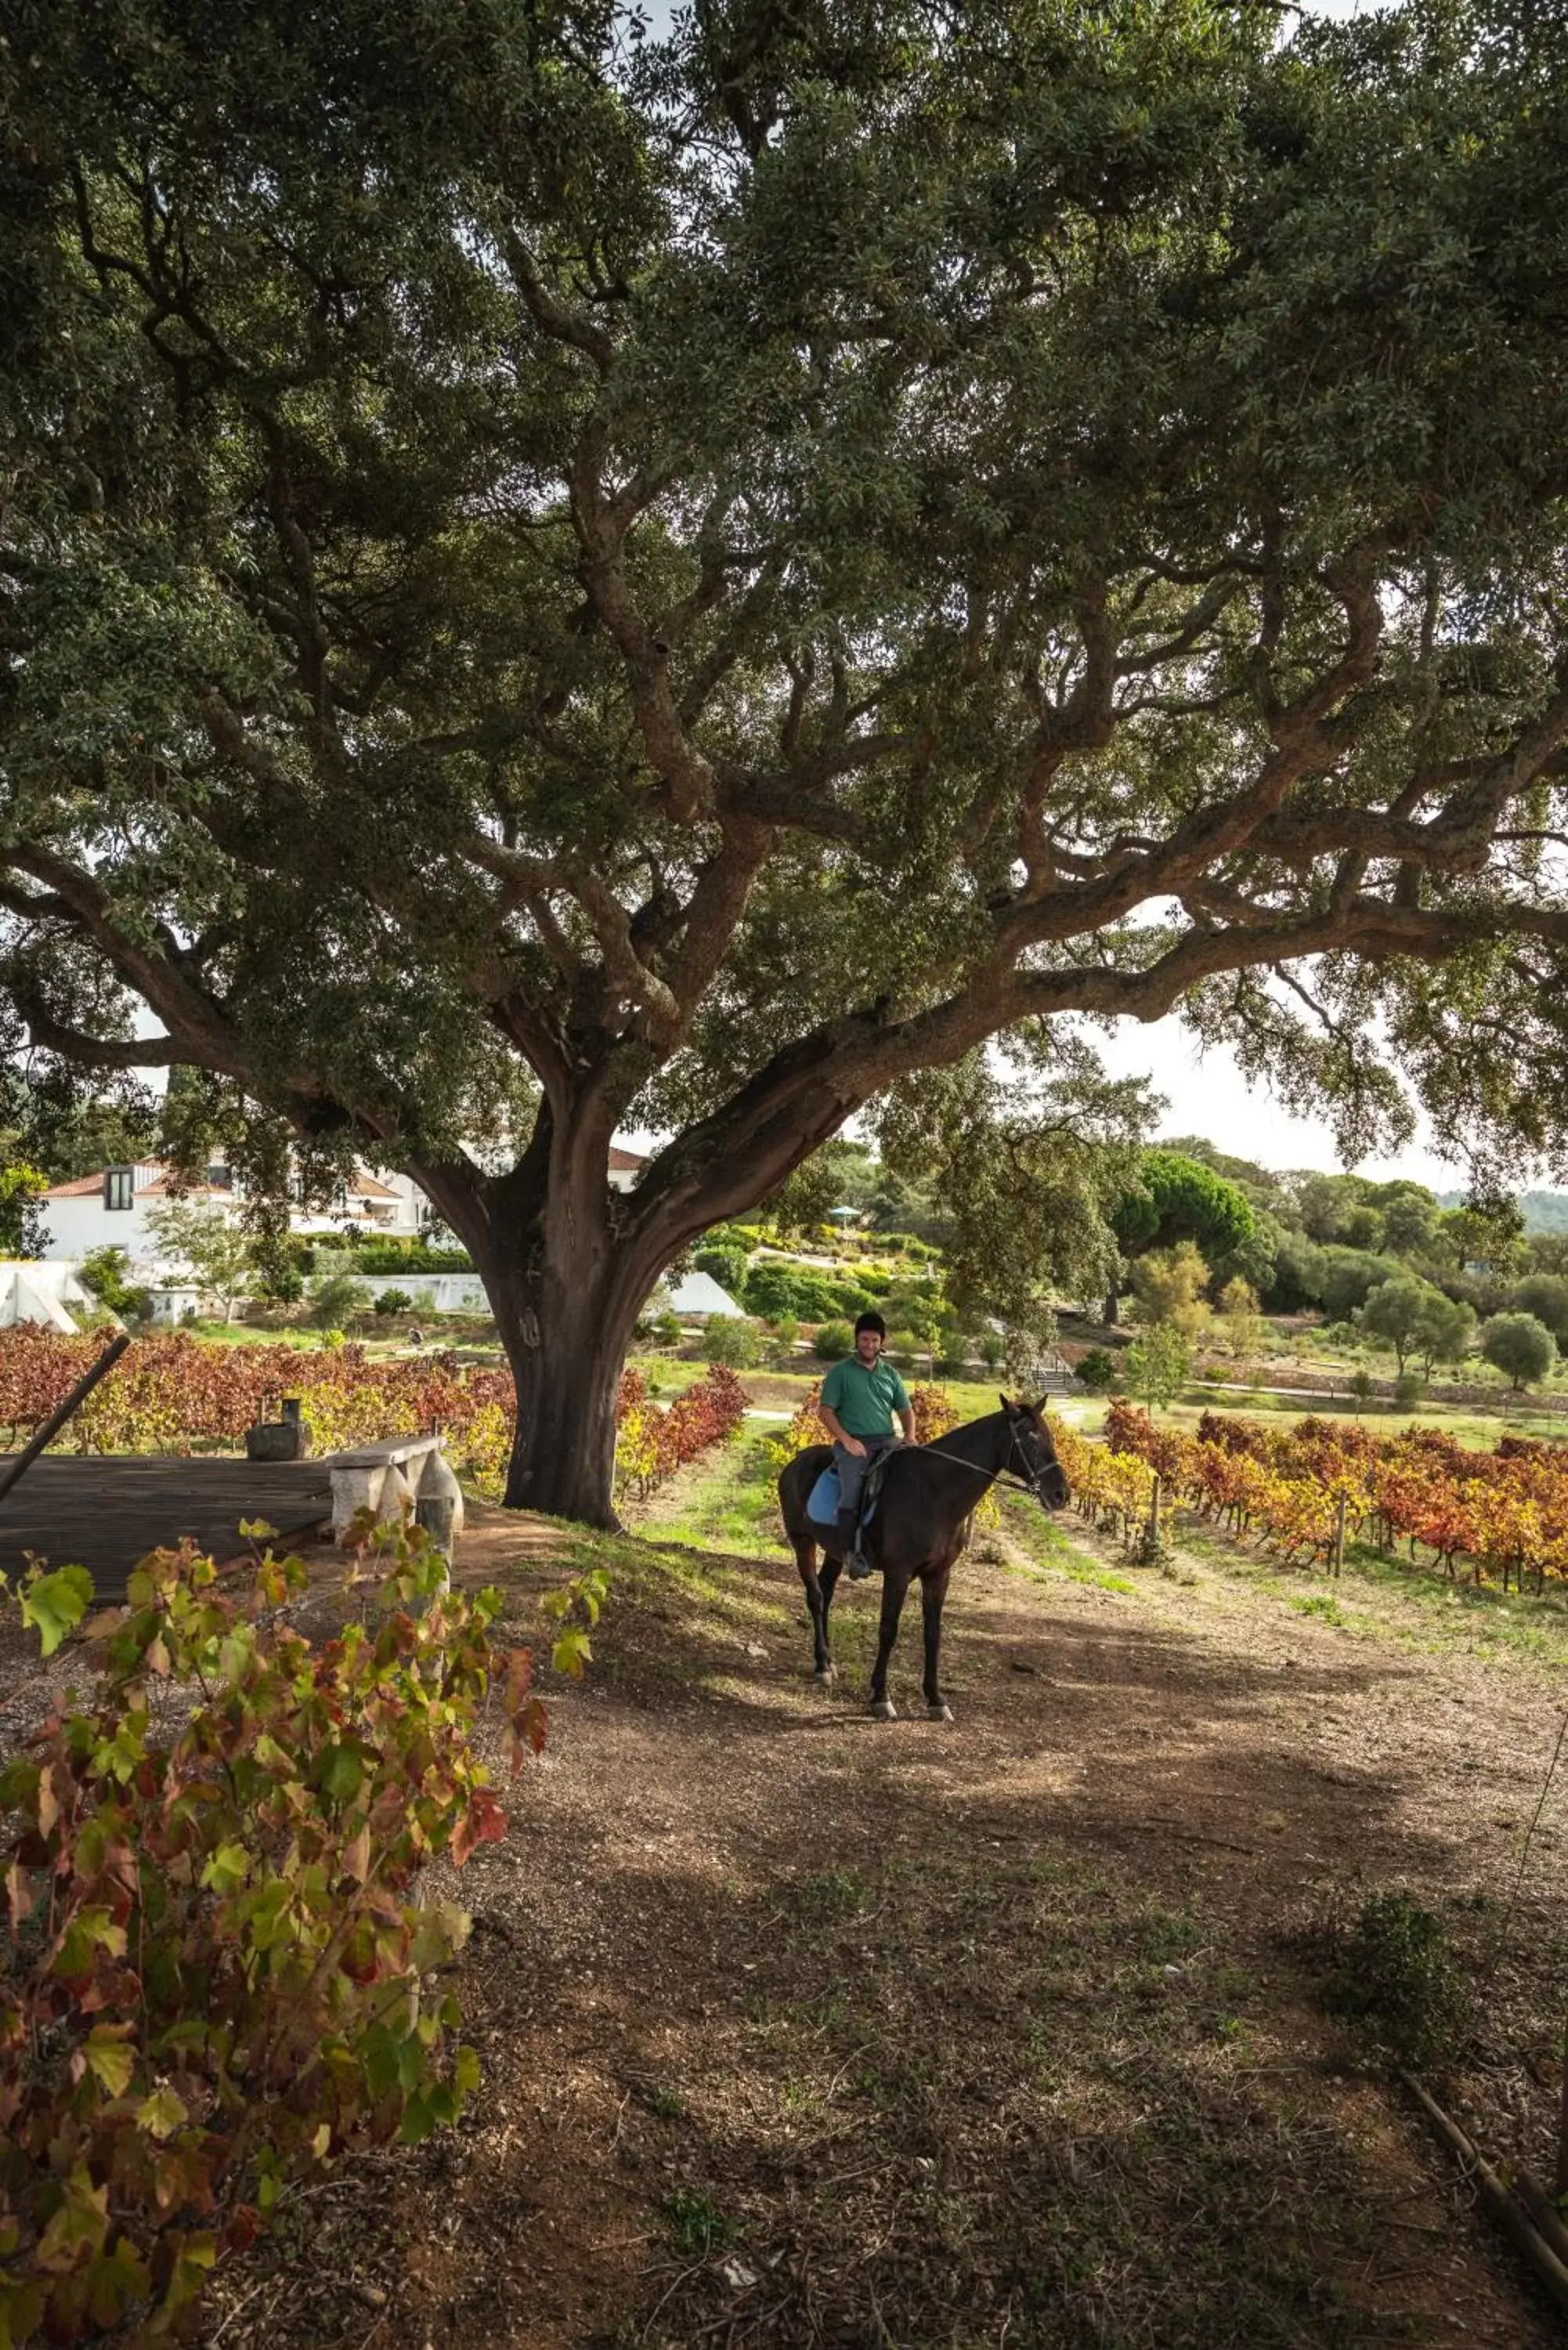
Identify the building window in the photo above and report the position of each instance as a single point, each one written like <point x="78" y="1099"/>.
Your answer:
<point x="120" y="1187"/>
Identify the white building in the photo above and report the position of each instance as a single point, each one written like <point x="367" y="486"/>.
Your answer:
<point x="112" y="1209"/>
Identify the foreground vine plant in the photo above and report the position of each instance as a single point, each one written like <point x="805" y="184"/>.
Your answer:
<point x="217" y="1976"/>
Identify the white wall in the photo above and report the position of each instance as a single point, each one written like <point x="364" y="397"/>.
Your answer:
<point x="76" y="1226"/>
<point x="448" y="1293"/>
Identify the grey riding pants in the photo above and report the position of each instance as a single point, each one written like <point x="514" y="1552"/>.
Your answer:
<point x="852" y="1467"/>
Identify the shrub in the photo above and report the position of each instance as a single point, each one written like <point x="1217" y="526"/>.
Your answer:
<point x="731" y="1343"/>
<point x="394" y="1300"/>
<point x="1407" y="1389"/>
<point x="333" y="1297"/>
<point x="106" y="1271"/>
<point x="1397" y="1979"/>
<point x="411" y="1257"/>
<point x="221" y="1975"/>
<point x="833" y="1339"/>
<point x="1097" y="1370"/>
<point x="786" y="1330"/>
<point x="992" y="1349"/>
<point x="667" y="1328"/>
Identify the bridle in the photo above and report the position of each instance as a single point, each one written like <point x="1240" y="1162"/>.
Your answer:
<point x="1028" y="1480"/>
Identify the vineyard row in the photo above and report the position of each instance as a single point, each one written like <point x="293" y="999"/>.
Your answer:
<point x="1502" y="1515"/>
<point x="171" y="1394"/>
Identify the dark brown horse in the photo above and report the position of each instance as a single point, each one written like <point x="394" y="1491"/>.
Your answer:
<point x="929" y="1492"/>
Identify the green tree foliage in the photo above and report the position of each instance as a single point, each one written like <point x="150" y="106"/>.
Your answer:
<point x="1349" y="1278"/>
<point x="841" y="1174"/>
<point x="1300" y="1268"/>
<point x="729" y="1342"/>
<point x="1246" y="1332"/>
<point x="1446" y="1330"/>
<point x="23" y="1232"/>
<point x="553" y="581"/>
<point x="217" y="1256"/>
<point x="1545" y="1296"/>
<point x="1097" y="1370"/>
<point x="1168" y="1288"/>
<point x="1520" y="1345"/>
<point x="107" y="1273"/>
<point x="1156" y="1363"/>
<point x="1173" y="1198"/>
<point x="1396" y="1314"/>
<point x="1027" y="1150"/>
<point x="335" y="1298"/>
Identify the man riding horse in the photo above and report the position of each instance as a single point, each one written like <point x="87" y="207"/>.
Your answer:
<point x="859" y="1397"/>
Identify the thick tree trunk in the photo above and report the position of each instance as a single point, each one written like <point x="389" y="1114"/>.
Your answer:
<point x="566" y="1327"/>
<point x="567" y="1274"/>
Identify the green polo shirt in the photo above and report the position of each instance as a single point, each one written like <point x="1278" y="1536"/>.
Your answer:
<point x="864" y="1401"/>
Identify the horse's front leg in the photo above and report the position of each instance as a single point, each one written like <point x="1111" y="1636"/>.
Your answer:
<point x="817" y="1599"/>
<point x="933" y="1592"/>
<point x="895" y="1584"/>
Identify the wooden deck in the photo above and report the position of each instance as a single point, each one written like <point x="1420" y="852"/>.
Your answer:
<point x="106" y="1512"/>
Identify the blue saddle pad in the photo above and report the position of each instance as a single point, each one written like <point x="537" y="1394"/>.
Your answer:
<point x="822" y="1503"/>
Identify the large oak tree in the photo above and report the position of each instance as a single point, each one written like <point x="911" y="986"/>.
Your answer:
<point x="551" y="579"/>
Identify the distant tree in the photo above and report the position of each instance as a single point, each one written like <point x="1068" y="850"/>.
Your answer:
<point x="1097" y="1370"/>
<point x="1156" y="1364"/>
<point x="216" y="1256"/>
<point x="1409" y="1222"/>
<point x="1245" y="1329"/>
<point x="1395" y="1314"/>
<point x="1487" y="1232"/>
<point x="1325" y="1204"/>
<point x="1520" y="1345"/>
<point x="1446" y="1328"/>
<point x="840" y="1174"/>
<point x="1170" y="1198"/>
<point x="1300" y="1271"/>
<point x="107" y="1273"/>
<point x="1547" y="1252"/>
<point x="1350" y="1276"/>
<point x="1363" y="1227"/>
<point x="1168" y="1288"/>
<point x="1545" y="1296"/>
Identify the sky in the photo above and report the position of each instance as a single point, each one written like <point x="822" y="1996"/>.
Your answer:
<point x="1209" y="1095"/>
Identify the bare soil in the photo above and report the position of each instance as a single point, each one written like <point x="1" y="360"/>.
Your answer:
<point x="800" y="2028"/>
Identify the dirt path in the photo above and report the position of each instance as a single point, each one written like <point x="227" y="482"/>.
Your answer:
<point x="803" y="2029"/>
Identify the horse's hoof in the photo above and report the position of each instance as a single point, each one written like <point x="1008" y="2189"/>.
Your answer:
<point x="938" y="1713"/>
<point x="825" y="1675"/>
<point x="882" y="1709"/>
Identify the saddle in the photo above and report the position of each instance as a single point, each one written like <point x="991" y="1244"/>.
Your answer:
<point x="822" y="1503"/>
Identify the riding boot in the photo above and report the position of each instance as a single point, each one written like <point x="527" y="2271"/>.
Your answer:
<point x="856" y="1566"/>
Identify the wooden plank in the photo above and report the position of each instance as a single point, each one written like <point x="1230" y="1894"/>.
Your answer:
<point x="105" y="1512"/>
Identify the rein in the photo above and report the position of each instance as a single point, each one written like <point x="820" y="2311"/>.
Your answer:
<point x="1028" y="1483"/>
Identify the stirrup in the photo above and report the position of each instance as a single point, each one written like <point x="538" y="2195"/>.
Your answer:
<point x="856" y="1566"/>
